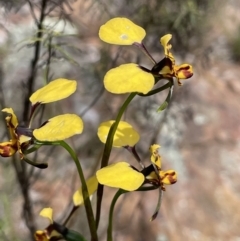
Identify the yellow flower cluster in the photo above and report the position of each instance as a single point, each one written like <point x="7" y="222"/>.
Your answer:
<point x="55" y="129"/>
<point x="126" y="78"/>
<point x="129" y="78"/>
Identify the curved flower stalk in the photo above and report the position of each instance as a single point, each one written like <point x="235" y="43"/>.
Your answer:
<point x="55" y="129"/>
<point x="129" y="78"/>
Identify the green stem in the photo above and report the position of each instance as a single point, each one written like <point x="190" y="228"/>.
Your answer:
<point x="32" y="149"/>
<point x="107" y="152"/>
<point x="74" y="208"/>
<point x="145" y="189"/>
<point x="87" y="203"/>
<point x="153" y="92"/>
<point x="158" y="204"/>
<point x="110" y="218"/>
<point x="115" y="198"/>
<point x="109" y="141"/>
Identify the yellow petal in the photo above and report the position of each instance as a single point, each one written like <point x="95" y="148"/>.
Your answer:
<point x="128" y="78"/>
<point x="59" y="128"/>
<point x="47" y="213"/>
<point x="168" y="177"/>
<point x="121" y="31"/>
<point x="13" y="121"/>
<point x="153" y="148"/>
<point x="120" y="175"/>
<point x="164" y="41"/>
<point x="56" y="90"/>
<point x="124" y="136"/>
<point x="155" y="157"/>
<point x="92" y="184"/>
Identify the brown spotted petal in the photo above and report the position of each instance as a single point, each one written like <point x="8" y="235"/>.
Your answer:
<point x="183" y="71"/>
<point x="168" y="177"/>
<point x="8" y="148"/>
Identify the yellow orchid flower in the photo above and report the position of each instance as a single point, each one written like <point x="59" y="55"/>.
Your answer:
<point x="131" y="77"/>
<point x="48" y="233"/>
<point x="55" y="231"/>
<point x="63" y="126"/>
<point x="167" y="67"/>
<point x="123" y="175"/>
<point x="19" y="141"/>
<point x="155" y="175"/>
<point x="55" y="129"/>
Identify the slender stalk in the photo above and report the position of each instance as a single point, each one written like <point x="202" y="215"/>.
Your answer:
<point x="115" y="198"/>
<point x="109" y="142"/>
<point x="133" y="151"/>
<point x="153" y="92"/>
<point x="158" y="204"/>
<point x="107" y="152"/>
<point x="145" y="51"/>
<point x="110" y="218"/>
<point x="87" y="203"/>
<point x="70" y="215"/>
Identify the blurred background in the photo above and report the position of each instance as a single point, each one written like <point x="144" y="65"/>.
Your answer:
<point x="199" y="132"/>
